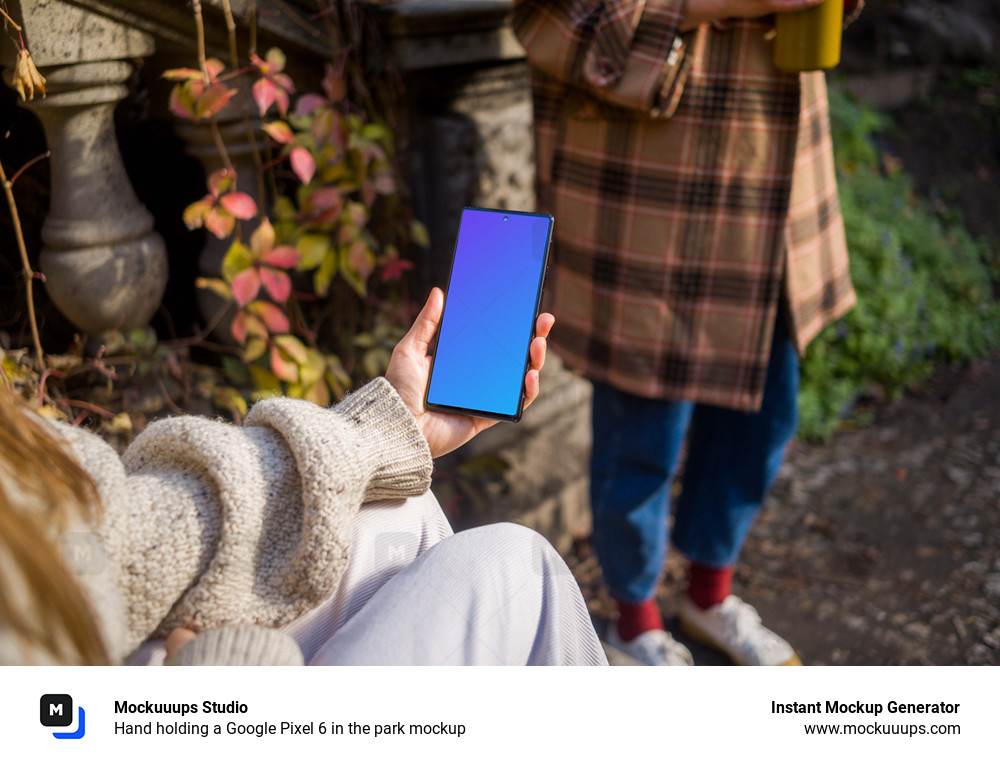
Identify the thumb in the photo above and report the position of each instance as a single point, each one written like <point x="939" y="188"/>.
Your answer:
<point x="426" y="324"/>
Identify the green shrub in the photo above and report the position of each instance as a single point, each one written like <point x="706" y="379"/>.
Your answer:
<point x="925" y="286"/>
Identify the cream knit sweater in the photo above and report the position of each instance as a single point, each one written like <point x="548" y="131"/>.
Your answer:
<point x="206" y="524"/>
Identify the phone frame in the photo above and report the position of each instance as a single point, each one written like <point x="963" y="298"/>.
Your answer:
<point x="446" y="408"/>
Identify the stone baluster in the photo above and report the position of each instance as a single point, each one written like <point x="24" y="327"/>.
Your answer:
<point x="105" y="267"/>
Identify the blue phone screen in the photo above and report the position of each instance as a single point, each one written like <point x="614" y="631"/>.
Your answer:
<point x="489" y="312"/>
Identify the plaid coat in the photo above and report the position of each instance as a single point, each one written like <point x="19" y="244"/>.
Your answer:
<point x="693" y="189"/>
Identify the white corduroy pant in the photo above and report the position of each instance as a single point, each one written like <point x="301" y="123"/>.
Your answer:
<point x="414" y="593"/>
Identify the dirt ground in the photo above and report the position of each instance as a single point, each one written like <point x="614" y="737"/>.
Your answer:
<point x="881" y="547"/>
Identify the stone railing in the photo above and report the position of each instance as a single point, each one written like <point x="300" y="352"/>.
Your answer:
<point x="105" y="266"/>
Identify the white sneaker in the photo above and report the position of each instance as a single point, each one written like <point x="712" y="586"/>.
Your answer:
<point x="734" y="628"/>
<point x="654" y="647"/>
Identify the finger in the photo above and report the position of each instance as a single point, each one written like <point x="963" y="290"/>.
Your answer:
<point x="531" y="387"/>
<point x="543" y="325"/>
<point x="538" y="352"/>
<point x="789" y="6"/>
<point x="426" y="324"/>
<point x="177" y="638"/>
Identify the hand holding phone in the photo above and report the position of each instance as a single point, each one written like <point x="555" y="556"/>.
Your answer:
<point x="409" y="370"/>
<point x="493" y="297"/>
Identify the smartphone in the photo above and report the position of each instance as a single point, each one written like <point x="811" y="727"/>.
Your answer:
<point x="493" y="297"/>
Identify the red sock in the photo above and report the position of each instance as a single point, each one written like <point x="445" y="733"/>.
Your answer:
<point x="634" y="619"/>
<point x="708" y="586"/>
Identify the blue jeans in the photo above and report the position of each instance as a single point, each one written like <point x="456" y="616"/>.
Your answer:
<point x="733" y="458"/>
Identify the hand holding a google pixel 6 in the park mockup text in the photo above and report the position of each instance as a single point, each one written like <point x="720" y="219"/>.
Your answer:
<point x="491" y="340"/>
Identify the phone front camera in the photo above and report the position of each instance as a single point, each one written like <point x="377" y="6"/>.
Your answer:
<point x="505" y="218"/>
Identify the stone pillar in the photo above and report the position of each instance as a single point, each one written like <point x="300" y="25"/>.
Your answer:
<point x="469" y="113"/>
<point x="104" y="265"/>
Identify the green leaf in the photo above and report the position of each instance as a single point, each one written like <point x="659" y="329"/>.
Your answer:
<point x="255" y="349"/>
<point x="217" y="286"/>
<point x="326" y="272"/>
<point x="238" y="259"/>
<point x="265" y="381"/>
<point x="284" y="209"/>
<point x="293" y="347"/>
<point x="374" y="131"/>
<point x="314" y="249"/>
<point x="235" y="370"/>
<point x="313" y="369"/>
<point x="419" y="235"/>
<point x="12" y="370"/>
<point x="375" y="361"/>
<point x="336" y="376"/>
<point x="318" y="393"/>
<point x="364" y="340"/>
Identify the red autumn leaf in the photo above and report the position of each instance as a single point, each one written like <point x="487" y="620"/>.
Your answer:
<point x="214" y="68"/>
<point x="220" y="224"/>
<point x="239" y="205"/>
<point x="394" y="269"/>
<point x="284" y="82"/>
<point x="323" y="205"/>
<point x="283" y="257"/>
<point x="334" y="85"/>
<point x="220" y="181"/>
<point x="181" y="102"/>
<point x="277" y="283"/>
<point x="273" y="317"/>
<point x="264" y="93"/>
<point x="308" y="104"/>
<point x="368" y="192"/>
<point x="281" y="99"/>
<point x="194" y="214"/>
<point x="359" y="259"/>
<point x="285" y="370"/>
<point x="303" y="164"/>
<point x="214" y="100"/>
<point x="239" y="327"/>
<point x="246" y="325"/>
<point x="385" y="183"/>
<point x="245" y="286"/>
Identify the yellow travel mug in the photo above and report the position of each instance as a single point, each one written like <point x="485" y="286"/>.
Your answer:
<point x="810" y="39"/>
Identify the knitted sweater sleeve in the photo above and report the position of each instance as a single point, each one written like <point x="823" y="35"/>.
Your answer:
<point x="212" y="524"/>
<point x="239" y="645"/>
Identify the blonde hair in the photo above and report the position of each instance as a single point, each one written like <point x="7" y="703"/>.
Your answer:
<point x="42" y="489"/>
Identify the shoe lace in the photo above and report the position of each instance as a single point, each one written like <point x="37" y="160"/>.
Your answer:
<point x="745" y="625"/>
<point x="665" y="648"/>
<point x="658" y="647"/>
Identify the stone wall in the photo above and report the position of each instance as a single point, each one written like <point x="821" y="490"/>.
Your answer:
<point x="470" y="143"/>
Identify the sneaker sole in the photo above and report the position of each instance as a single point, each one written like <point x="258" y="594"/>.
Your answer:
<point x="702" y="637"/>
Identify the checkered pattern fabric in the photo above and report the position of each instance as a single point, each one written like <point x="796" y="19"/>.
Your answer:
<point x="693" y="189"/>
